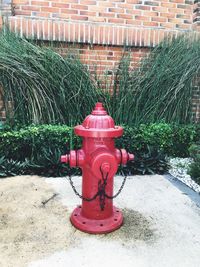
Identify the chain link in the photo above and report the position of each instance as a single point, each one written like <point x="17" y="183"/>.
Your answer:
<point x="119" y="191"/>
<point x="101" y="190"/>
<point x="79" y="195"/>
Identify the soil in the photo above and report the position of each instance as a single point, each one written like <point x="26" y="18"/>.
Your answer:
<point x="135" y="227"/>
<point x="29" y="229"/>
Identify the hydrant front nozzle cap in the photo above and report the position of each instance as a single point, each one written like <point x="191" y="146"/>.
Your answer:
<point x="64" y="159"/>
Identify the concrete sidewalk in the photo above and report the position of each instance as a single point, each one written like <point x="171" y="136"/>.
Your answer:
<point x="161" y="228"/>
<point x="161" y="225"/>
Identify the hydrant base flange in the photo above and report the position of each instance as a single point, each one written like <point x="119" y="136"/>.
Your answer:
<point x="96" y="226"/>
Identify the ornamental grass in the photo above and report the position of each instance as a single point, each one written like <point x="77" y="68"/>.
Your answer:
<point x="40" y="86"/>
<point x="162" y="88"/>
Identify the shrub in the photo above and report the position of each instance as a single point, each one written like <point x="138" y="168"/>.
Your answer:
<point x="148" y="161"/>
<point x="194" y="168"/>
<point x="173" y="140"/>
<point x="10" y="167"/>
<point x="41" y="146"/>
<point x="30" y="141"/>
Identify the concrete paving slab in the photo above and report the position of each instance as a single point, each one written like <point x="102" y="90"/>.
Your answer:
<point x="161" y="228"/>
<point x="161" y="225"/>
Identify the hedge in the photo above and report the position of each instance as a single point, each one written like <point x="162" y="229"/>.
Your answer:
<point x="41" y="146"/>
<point x="173" y="140"/>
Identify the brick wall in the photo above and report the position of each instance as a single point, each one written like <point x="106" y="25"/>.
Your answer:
<point x="167" y="14"/>
<point x="138" y="23"/>
<point x="196" y="16"/>
<point x="134" y="22"/>
<point x="103" y="61"/>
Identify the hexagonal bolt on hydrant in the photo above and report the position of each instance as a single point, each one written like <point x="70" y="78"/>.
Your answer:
<point x="99" y="161"/>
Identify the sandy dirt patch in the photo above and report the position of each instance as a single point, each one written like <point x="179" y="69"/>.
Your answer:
<point x="28" y="229"/>
<point x="31" y="230"/>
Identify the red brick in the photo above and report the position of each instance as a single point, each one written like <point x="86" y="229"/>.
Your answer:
<point x="23" y="12"/>
<point x="177" y="1"/>
<point x="143" y="18"/>
<point x="41" y="14"/>
<point x="124" y="16"/>
<point x="32" y="8"/>
<point x="97" y="8"/>
<point x="171" y="5"/>
<point x="22" y="2"/>
<point x="168" y="15"/>
<point x="159" y="19"/>
<point x="116" y="10"/>
<point x="134" y="12"/>
<point x="150" y="24"/>
<point x="116" y="20"/>
<point x="70" y="1"/>
<point x="176" y="10"/>
<point x="39" y="3"/>
<point x="105" y="4"/>
<point x="107" y="15"/>
<point x="133" y="22"/>
<point x="160" y="9"/>
<point x="60" y="5"/>
<point x="97" y="19"/>
<point x="167" y="25"/>
<point x="79" y="18"/>
<point x="88" y="2"/>
<point x="50" y="9"/>
<point x="80" y="7"/>
<point x="69" y="11"/>
<point x="64" y="16"/>
<point x="125" y="6"/>
<point x="143" y="7"/>
<point x="151" y="13"/>
<point x="184" y="26"/>
<point x="87" y="13"/>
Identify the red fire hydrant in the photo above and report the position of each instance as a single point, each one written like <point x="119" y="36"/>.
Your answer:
<point x="99" y="160"/>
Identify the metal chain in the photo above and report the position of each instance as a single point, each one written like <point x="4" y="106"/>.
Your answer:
<point x="79" y="195"/>
<point x="119" y="191"/>
<point x="101" y="191"/>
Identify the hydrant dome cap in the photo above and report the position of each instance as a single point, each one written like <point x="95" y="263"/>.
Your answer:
<point x="98" y="124"/>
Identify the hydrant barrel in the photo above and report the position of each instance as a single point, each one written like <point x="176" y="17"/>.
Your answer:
<point x="99" y="160"/>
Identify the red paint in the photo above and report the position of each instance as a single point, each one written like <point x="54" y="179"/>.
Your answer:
<point x="97" y="157"/>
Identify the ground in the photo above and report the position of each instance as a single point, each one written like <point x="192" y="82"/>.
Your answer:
<point x="161" y="225"/>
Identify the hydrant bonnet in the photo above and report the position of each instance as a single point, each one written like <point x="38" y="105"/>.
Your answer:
<point x="98" y="124"/>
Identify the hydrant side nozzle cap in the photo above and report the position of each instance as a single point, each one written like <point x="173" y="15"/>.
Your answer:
<point x="130" y="157"/>
<point x="64" y="159"/>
